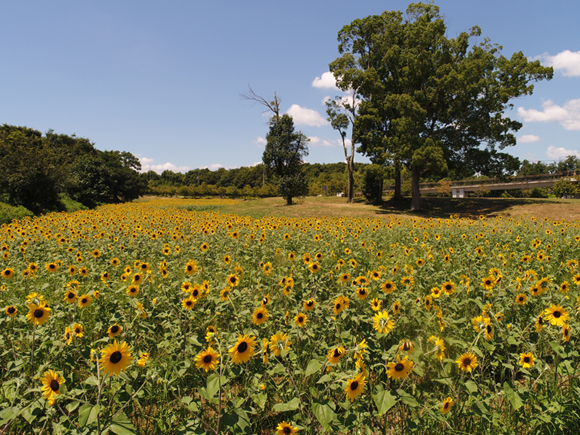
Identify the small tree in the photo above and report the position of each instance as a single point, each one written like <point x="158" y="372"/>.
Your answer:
<point x="564" y="187"/>
<point x="372" y="185"/>
<point x="283" y="157"/>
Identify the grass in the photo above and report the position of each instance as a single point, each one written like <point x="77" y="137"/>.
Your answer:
<point x="568" y="209"/>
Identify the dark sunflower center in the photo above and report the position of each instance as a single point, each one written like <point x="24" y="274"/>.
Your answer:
<point x="309" y="303"/>
<point x="447" y="287"/>
<point x="300" y="319"/>
<point x="354" y="385"/>
<point x="114" y="329"/>
<point x="557" y="314"/>
<point x="38" y="313"/>
<point x="71" y="295"/>
<point x="540" y="321"/>
<point x="195" y="293"/>
<point x="189" y="268"/>
<point x="467" y="362"/>
<point x="488" y="327"/>
<point x="242" y="347"/>
<point x="338" y="306"/>
<point x="287" y="430"/>
<point x="389" y="285"/>
<point x="446" y="405"/>
<point x="54" y="385"/>
<point x="84" y="301"/>
<point x="400" y="367"/>
<point x="207" y="359"/>
<point x="336" y="353"/>
<point x="188" y="303"/>
<point x="260" y="315"/>
<point x="527" y="359"/>
<point x="116" y="357"/>
<point x="11" y="310"/>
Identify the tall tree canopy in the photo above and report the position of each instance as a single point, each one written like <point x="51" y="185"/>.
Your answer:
<point x="430" y="102"/>
<point x="284" y="155"/>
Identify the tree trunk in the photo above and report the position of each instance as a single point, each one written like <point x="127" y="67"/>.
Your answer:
<point x="416" y="193"/>
<point x="289" y="200"/>
<point x="350" y="166"/>
<point x="398" y="194"/>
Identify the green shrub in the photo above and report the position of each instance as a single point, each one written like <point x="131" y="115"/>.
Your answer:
<point x="8" y="213"/>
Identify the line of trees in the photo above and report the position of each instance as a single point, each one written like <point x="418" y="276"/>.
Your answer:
<point x="39" y="170"/>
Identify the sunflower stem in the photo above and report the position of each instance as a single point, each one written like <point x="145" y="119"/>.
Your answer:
<point x="98" y="396"/>
<point x="32" y="349"/>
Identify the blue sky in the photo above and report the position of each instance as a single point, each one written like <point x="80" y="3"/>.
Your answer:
<point x="162" y="79"/>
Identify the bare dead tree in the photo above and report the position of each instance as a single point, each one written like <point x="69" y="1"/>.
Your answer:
<point x="271" y="106"/>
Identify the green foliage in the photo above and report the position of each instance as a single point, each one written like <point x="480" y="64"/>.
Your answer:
<point x="9" y="212"/>
<point x="429" y="101"/>
<point x="372" y="186"/>
<point x="283" y="157"/>
<point x="69" y="204"/>
<point x="564" y="187"/>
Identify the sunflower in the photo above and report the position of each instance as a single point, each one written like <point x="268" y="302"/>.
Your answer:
<point x="381" y="322"/>
<point x="225" y="294"/>
<point x="406" y="346"/>
<point x="233" y="280"/>
<point x="115" y="358"/>
<point x="447" y="404"/>
<point x="540" y="323"/>
<point x="527" y="360"/>
<point x="565" y="287"/>
<point x="51" y="382"/>
<point x="291" y="256"/>
<point x="556" y="315"/>
<point x="189" y="303"/>
<point x="344" y="278"/>
<point x="84" y="301"/>
<point x="210" y="333"/>
<point x="68" y="335"/>
<point x="133" y="290"/>
<point x="207" y="359"/>
<point x="265" y="300"/>
<point x="309" y="305"/>
<point x="51" y="267"/>
<point x="38" y="313"/>
<point x="376" y="304"/>
<point x="143" y="358"/>
<point x="11" y="310"/>
<point x="279" y="342"/>
<point x="396" y="308"/>
<point x="488" y="282"/>
<point x="285" y="429"/>
<point x="488" y="332"/>
<point x="8" y="273"/>
<point x="78" y="330"/>
<point x="388" y="287"/>
<point x="566" y="330"/>
<point x="448" y="288"/>
<point x="83" y="271"/>
<point x="362" y="293"/>
<point x="521" y="299"/>
<point x="435" y="292"/>
<point x="314" y="267"/>
<point x="341" y="303"/>
<point x="96" y="253"/>
<point x="260" y="316"/>
<point x="355" y="386"/>
<point x="400" y="369"/>
<point x="334" y="355"/>
<point x="243" y="350"/>
<point x="114" y="330"/>
<point x="428" y="302"/>
<point x="467" y="362"/>
<point x="191" y="267"/>
<point x="300" y="320"/>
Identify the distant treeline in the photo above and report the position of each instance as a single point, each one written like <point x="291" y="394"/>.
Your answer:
<point x="42" y="172"/>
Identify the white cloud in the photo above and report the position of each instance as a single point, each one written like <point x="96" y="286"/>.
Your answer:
<point x="567" y="61"/>
<point x="528" y="138"/>
<point x="316" y="141"/>
<point x="568" y="116"/>
<point x="260" y="141"/>
<point x="326" y="81"/>
<point x="147" y="165"/>
<point x="304" y="116"/>
<point x="560" y="153"/>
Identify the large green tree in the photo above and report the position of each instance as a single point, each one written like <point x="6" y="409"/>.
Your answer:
<point x="284" y="155"/>
<point x="430" y="102"/>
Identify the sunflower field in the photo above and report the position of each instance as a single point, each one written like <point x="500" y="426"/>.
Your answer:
<point x="162" y="318"/>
